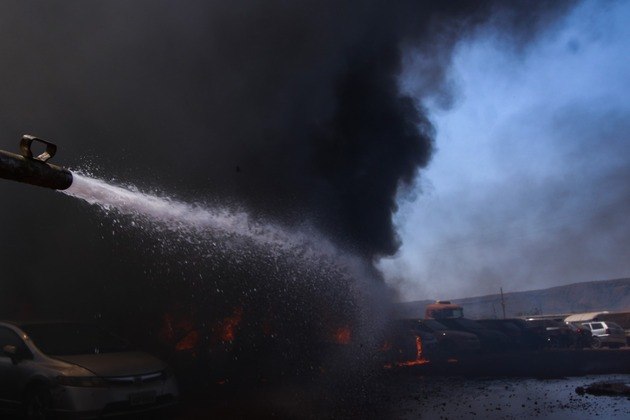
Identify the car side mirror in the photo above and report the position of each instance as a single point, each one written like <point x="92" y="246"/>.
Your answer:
<point x="12" y="352"/>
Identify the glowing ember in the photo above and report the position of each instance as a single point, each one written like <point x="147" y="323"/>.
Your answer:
<point x="342" y="335"/>
<point x="167" y="332"/>
<point x="267" y="328"/>
<point x="189" y="342"/>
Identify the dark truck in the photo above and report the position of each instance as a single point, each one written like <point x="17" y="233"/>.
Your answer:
<point x="517" y="330"/>
<point x="557" y="334"/>
<point x="451" y="315"/>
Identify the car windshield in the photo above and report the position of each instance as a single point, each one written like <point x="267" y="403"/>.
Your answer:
<point x="65" y="339"/>
<point x="448" y="313"/>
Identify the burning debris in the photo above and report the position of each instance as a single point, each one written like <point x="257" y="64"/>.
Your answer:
<point x="343" y="335"/>
<point x="419" y="359"/>
<point x="229" y="325"/>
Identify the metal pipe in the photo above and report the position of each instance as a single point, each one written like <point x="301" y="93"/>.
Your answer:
<point x="34" y="170"/>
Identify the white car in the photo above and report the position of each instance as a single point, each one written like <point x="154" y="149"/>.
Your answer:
<point x="78" y="369"/>
<point x="606" y="333"/>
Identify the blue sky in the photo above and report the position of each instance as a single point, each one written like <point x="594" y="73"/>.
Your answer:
<point x="530" y="184"/>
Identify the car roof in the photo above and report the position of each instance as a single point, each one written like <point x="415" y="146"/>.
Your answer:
<point x="585" y="317"/>
<point x="432" y="306"/>
<point x="12" y="325"/>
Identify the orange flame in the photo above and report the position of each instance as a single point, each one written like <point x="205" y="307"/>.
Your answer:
<point x="419" y="348"/>
<point x="178" y="330"/>
<point x="229" y="324"/>
<point x="420" y="359"/>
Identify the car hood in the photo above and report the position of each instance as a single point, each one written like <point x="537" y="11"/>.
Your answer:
<point x="116" y="364"/>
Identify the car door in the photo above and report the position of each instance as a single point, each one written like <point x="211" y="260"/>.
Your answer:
<point x="598" y="328"/>
<point x="10" y="372"/>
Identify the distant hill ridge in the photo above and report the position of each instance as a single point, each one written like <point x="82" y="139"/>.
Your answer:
<point x="602" y="295"/>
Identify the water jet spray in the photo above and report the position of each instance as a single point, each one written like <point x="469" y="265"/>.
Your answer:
<point x="34" y="170"/>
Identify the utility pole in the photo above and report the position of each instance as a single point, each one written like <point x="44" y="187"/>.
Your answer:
<point x="502" y="302"/>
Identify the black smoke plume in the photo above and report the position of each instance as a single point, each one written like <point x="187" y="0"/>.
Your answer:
<point x="289" y="108"/>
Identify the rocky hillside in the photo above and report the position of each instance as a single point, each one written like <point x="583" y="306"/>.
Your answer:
<point x="604" y="295"/>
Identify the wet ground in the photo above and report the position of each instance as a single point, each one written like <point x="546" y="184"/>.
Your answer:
<point x="492" y="398"/>
<point x="433" y="391"/>
<point x="404" y="395"/>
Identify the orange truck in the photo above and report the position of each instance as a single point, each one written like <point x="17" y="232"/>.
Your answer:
<point x="443" y="309"/>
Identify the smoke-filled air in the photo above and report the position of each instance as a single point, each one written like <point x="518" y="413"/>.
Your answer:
<point x="529" y="186"/>
<point x="237" y="170"/>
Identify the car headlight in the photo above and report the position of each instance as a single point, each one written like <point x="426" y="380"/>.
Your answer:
<point x="82" y="381"/>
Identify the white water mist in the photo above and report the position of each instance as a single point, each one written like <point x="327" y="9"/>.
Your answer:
<point x="226" y="226"/>
<point x="177" y="216"/>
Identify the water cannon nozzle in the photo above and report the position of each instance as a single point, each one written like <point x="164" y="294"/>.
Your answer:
<point x="34" y="170"/>
<point x="27" y="142"/>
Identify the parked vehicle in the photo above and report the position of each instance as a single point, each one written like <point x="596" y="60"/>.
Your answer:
<point x="620" y="318"/>
<point x="584" y="338"/>
<point x="443" y="309"/>
<point x="70" y="368"/>
<point x="491" y="341"/>
<point x="451" y="343"/>
<point x="606" y="333"/>
<point x="556" y="334"/>
<point x="516" y="330"/>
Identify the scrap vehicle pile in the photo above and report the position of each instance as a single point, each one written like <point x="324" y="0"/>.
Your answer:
<point x="446" y="336"/>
